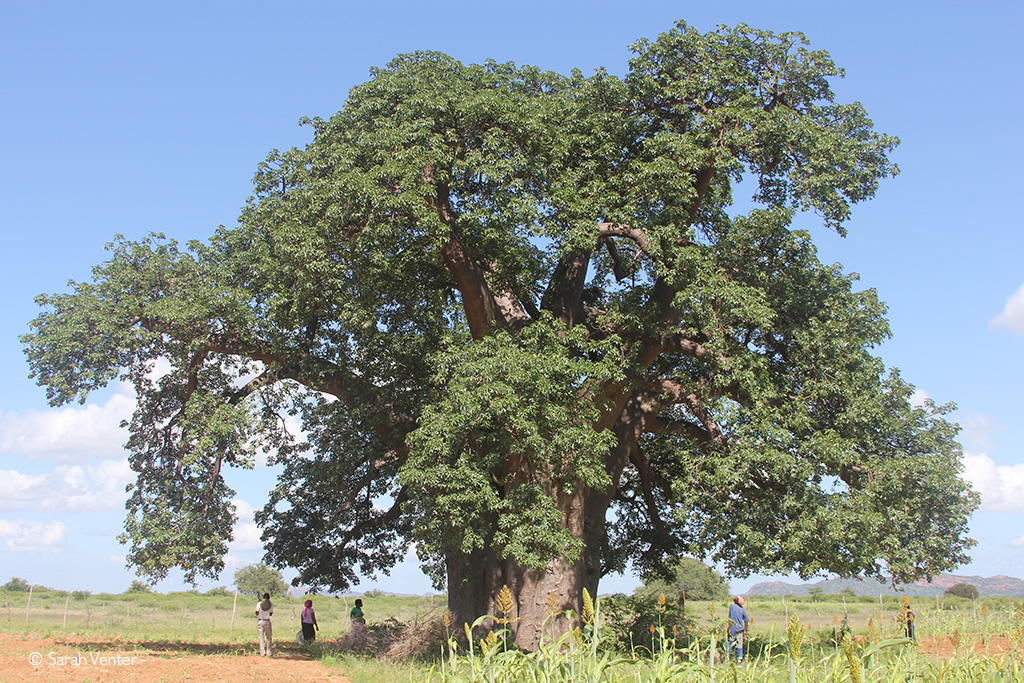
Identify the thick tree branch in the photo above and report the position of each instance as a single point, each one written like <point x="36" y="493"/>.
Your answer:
<point x="677" y="343"/>
<point x="608" y="230"/>
<point x="393" y="513"/>
<point x="605" y="234"/>
<point x="665" y="391"/>
<point x="656" y="424"/>
<point x="307" y="369"/>
<point x="648" y="480"/>
<point x="482" y="307"/>
<point x="564" y="294"/>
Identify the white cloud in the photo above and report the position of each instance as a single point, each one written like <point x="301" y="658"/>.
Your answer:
<point x="33" y="536"/>
<point x="77" y="434"/>
<point x="69" y="435"/>
<point x="1019" y="541"/>
<point x="95" y="487"/>
<point x="976" y="430"/>
<point x="1012" y="317"/>
<point x="1001" y="486"/>
<point x="246" y="533"/>
<point x="918" y="398"/>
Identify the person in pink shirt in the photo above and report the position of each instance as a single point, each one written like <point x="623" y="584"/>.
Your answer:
<point x="309" y="625"/>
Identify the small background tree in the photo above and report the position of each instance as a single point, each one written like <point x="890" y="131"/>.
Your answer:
<point x="257" y="579"/>
<point x="682" y="579"/>
<point x="17" y="585"/>
<point x="963" y="590"/>
<point x="139" y="587"/>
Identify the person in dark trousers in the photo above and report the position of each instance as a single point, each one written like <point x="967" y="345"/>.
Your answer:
<point x="738" y="623"/>
<point x="910" y="624"/>
<point x="265" y="610"/>
<point x="309" y="625"/>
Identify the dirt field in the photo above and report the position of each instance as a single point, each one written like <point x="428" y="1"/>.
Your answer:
<point x="27" y="659"/>
<point x="943" y="647"/>
<point x="71" y="660"/>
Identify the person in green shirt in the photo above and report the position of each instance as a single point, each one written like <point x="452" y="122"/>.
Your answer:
<point x="356" y="615"/>
<point x="358" y="621"/>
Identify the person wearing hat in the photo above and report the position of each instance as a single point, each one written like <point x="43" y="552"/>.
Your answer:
<point x="738" y="623"/>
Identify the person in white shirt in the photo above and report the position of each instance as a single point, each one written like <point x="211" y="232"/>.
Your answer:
<point x="264" y="610"/>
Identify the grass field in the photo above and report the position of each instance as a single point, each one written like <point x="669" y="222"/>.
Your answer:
<point x="186" y="616"/>
<point x="959" y="640"/>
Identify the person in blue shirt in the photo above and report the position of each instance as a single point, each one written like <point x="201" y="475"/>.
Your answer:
<point x="738" y="623"/>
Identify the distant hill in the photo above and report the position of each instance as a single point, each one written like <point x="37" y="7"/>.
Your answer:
<point x="1004" y="586"/>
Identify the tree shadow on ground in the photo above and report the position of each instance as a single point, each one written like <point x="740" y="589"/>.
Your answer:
<point x="172" y="648"/>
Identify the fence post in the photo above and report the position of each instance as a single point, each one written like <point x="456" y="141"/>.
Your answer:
<point x="66" y="601"/>
<point x="27" y="605"/>
<point x="233" y="606"/>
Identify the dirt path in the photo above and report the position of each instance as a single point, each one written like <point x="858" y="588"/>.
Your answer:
<point x="26" y="659"/>
<point x="944" y="648"/>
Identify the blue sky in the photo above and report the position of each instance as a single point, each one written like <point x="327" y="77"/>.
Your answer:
<point x="130" y="117"/>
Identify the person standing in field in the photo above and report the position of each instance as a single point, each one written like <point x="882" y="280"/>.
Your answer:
<point x="738" y="623"/>
<point x="358" y="622"/>
<point x="265" y="610"/>
<point x="910" y="623"/>
<point x="309" y="622"/>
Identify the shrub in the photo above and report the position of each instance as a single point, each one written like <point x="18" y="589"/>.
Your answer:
<point x="17" y="585"/>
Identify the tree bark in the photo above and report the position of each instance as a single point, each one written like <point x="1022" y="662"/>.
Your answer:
<point x="541" y="596"/>
<point x="469" y="585"/>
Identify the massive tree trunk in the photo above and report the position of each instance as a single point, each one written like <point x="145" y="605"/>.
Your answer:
<point x="469" y="594"/>
<point x="541" y="597"/>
